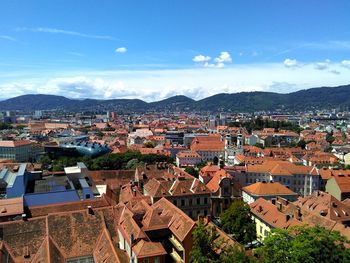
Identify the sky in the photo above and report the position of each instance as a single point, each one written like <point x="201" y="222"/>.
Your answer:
<point x="151" y="50"/>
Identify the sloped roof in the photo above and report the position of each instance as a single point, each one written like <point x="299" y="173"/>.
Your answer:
<point x="214" y="183"/>
<point x="267" y="188"/>
<point x="148" y="249"/>
<point x="269" y="213"/>
<point x="180" y="224"/>
<point x="324" y="204"/>
<point x="343" y="181"/>
<point x="281" y="168"/>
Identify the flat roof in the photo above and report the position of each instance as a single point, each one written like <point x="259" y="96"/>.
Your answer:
<point x="52" y="184"/>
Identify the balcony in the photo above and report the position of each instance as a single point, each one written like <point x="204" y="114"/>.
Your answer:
<point x="176" y="257"/>
<point x="176" y="244"/>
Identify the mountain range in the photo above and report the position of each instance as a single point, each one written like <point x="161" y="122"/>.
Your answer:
<point x="308" y="99"/>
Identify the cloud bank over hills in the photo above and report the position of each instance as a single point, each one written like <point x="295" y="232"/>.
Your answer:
<point x="194" y="82"/>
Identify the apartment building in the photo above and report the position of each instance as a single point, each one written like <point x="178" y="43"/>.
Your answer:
<point x="302" y="180"/>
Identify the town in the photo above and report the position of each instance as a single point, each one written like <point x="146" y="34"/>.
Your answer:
<point x="174" y="131"/>
<point x="174" y="186"/>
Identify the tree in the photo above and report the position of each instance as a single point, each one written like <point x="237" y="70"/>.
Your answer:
<point x="329" y="137"/>
<point x="45" y="161"/>
<point x="203" y="242"/>
<point x="233" y="254"/>
<point x="5" y="126"/>
<point x="192" y="171"/>
<point x="302" y="144"/>
<point x="259" y="145"/>
<point x="148" y="144"/>
<point x="304" y="244"/>
<point x="237" y="220"/>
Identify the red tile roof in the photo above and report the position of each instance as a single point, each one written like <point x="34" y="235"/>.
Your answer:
<point x="269" y="188"/>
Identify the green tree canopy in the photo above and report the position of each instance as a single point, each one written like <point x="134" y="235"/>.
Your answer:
<point x="205" y="245"/>
<point x="305" y="245"/>
<point x="192" y="171"/>
<point x="237" y="220"/>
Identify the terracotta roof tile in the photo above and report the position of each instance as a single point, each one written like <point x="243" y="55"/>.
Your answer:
<point x="269" y="188"/>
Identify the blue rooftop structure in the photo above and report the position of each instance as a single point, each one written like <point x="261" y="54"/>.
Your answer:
<point x="36" y="190"/>
<point x="12" y="183"/>
<point x="88" y="149"/>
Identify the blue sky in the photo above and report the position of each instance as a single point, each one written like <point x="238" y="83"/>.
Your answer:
<point x="159" y="48"/>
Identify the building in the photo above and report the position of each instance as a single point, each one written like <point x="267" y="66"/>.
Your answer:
<point x="319" y="208"/>
<point x="20" y="151"/>
<point x="175" y="137"/>
<point x="207" y="172"/>
<point x="86" y="148"/>
<point x="267" y="217"/>
<point x="186" y="193"/>
<point x="85" y="235"/>
<point x="187" y="158"/>
<point x="224" y="191"/>
<point x="233" y="149"/>
<point x="157" y="233"/>
<point x="302" y="180"/>
<point x="11" y="209"/>
<point x="339" y="185"/>
<point x="18" y="181"/>
<point x="209" y="147"/>
<point x="268" y="191"/>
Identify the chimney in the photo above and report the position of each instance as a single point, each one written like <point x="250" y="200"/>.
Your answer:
<point x="279" y="206"/>
<point x="26" y="253"/>
<point x="24" y="217"/>
<point x="287" y="217"/>
<point x="132" y="239"/>
<point x="297" y="213"/>
<point x="90" y="211"/>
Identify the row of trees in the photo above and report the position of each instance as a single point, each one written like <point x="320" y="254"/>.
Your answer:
<point x="260" y="123"/>
<point x="112" y="161"/>
<point x="5" y="126"/>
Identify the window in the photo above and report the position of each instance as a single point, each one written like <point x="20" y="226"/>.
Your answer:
<point x="87" y="196"/>
<point x="190" y="201"/>
<point x="226" y="191"/>
<point x="174" y="202"/>
<point x="198" y="201"/>
<point x="146" y="260"/>
<point x="261" y="229"/>
<point x="182" y="202"/>
<point x="156" y="260"/>
<point x="205" y="200"/>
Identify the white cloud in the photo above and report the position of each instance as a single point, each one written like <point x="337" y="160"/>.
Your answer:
<point x="322" y="65"/>
<point x="346" y="63"/>
<point x="219" y="62"/>
<point x="201" y="58"/>
<point x="121" y="50"/>
<point x="64" y="32"/>
<point x="291" y="63"/>
<point x="224" y="57"/>
<point x="156" y="84"/>
<point x="4" y="37"/>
